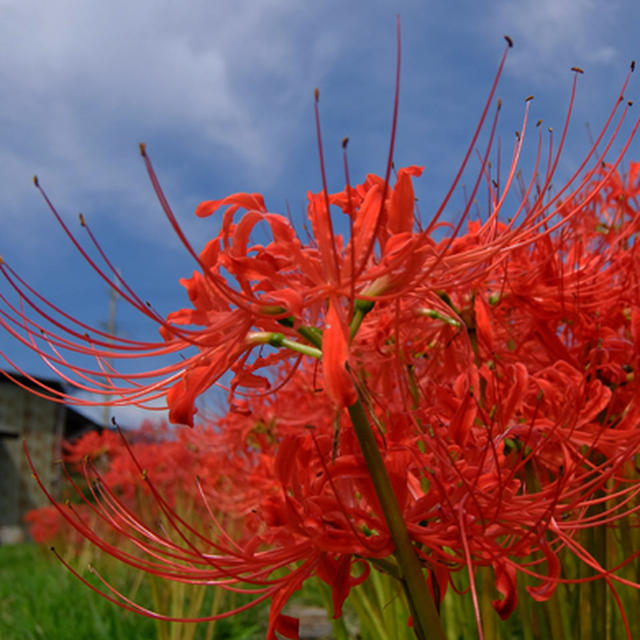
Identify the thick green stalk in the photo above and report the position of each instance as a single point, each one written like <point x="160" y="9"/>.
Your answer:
<point x="426" y="621"/>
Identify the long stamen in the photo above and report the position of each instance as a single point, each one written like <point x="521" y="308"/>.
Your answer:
<point x="392" y="141"/>
<point x="472" y="144"/>
<point x="351" y="213"/>
<point x="231" y="294"/>
<point x="335" y="271"/>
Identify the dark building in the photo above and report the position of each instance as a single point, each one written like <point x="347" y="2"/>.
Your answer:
<point x="43" y="425"/>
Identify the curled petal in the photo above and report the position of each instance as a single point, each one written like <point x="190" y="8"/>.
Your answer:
<point x="545" y="590"/>
<point x="289" y="299"/>
<point x="336" y="572"/>
<point x="366" y="220"/>
<point x="506" y="584"/>
<point x="400" y="214"/>
<point x="320" y="219"/>
<point x="335" y="353"/>
<point x="182" y="395"/>
<point x="288" y="626"/>
<point x="249" y="201"/>
<point x="513" y="399"/>
<point x="483" y="321"/>
<point x="181" y="398"/>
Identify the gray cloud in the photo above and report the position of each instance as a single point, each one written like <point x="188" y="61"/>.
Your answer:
<point x="85" y="81"/>
<point x="551" y="34"/>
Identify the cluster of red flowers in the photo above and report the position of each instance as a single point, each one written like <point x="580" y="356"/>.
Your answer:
<point x="106" y="464"/>
<point x="494" y="361"/>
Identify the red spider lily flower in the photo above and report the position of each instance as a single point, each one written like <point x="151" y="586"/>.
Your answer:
<point x="284" y="280"/>
<point x="93" y="444"/>
<point x="46" y="525"/>
<point x="283" y="286"/>
<point x="494" y="368"/>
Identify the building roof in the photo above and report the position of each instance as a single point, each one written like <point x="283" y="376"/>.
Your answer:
<point x="75" y="422"/>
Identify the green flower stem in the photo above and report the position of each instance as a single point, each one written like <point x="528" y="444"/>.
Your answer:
<point x="276" y="339"/>
<point x="300" y="348"/>
<point x="426" y="621"/>
<point x="432" y="313"/>
<point x="312" y="334"/>
<point x="360" y="310"/>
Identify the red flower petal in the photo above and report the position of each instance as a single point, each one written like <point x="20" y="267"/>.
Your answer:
<point x="335" y="352"/>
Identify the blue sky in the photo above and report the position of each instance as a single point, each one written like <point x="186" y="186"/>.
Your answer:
<point x="222" y="93"/>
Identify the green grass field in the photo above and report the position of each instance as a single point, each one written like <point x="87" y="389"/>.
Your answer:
<point x="40" y="599"/>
